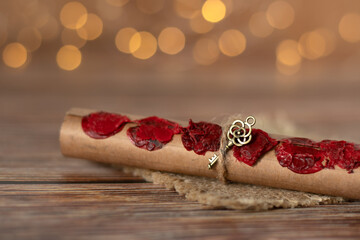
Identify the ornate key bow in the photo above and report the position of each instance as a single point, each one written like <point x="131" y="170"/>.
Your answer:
<point x="239" y="134"/>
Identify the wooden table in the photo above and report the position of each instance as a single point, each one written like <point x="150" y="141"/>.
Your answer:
<point x="44" y="195"/>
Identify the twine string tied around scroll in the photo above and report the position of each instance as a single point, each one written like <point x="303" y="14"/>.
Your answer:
<point x="232" y="134"/>
<point x="222" y="161"/>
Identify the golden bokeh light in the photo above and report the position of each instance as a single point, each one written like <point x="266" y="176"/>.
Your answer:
<point x="143" y="45"/>
<point x="187" y="8"/>
<point x="92" y="29"/>
<point x="15" y="55"/>
<point x="50" y="30"/>
<point x="117" y="3"/>
<point x="73" y="15"/>
<point x="41" y="19"/>
<point x="280" y="14"/>
<point x="315" y="44"/>
<point x="286" y="69"/>
<point x="259" y="26"/>
<point x="232" y="43"/>
<point x="213" y="10"/>
<point x="246" y="26"/>
<point x="171" y="40"/>
<point x="150" y="7"/>
<point x="199" y="25"/>
<point x="287" y="53"/>
<point x="330" y="39"/>
<point x="311" y="45"/>
<point x="206" y="51"/>
<point x="122" y="40"/>
<point x="349" y="27"/>
<point x="108" y="11"/>
<point x="30" y="37"/>
<point x="135" y="42"/>
<point x="70" y="37"/>
<point x="68" y="57"/>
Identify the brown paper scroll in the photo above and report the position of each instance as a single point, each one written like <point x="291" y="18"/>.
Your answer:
<point x="173" y="157"/>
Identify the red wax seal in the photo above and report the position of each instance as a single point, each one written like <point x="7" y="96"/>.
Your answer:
<point x="300" y="155"/>
<point x="201" y="137"/>
<point x="260" y="144"/>
<point x="153" y="133"/>
<point x="101" y="125"/>
<point x="341" y="153"/>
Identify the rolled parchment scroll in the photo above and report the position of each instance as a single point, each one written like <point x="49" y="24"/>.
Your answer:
<point x="173" y="157"/>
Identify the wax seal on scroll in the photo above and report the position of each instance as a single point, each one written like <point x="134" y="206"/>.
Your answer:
<point x="239" y="134"/>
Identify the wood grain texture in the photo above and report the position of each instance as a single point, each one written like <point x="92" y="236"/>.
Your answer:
<point x="44" y="195"/>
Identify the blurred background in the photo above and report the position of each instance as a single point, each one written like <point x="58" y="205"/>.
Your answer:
<point x="289" y="60"/>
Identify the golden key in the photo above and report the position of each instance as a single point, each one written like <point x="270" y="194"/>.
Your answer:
<point x="239" y="134"/>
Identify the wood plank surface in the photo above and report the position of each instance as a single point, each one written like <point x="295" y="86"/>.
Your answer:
<point x="44" y="195"/>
